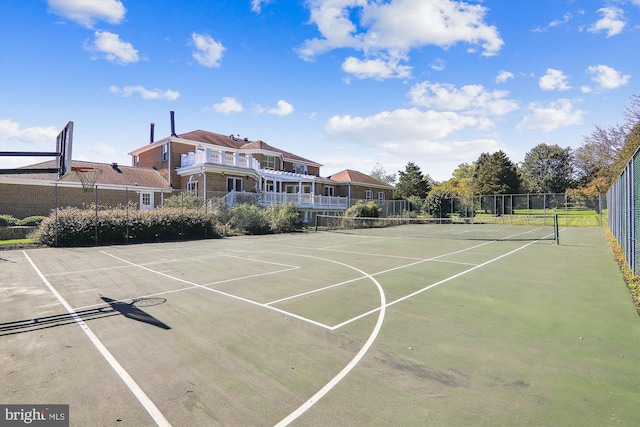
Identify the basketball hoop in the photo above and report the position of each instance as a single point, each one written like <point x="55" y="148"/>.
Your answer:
<point x="87" y="176"/>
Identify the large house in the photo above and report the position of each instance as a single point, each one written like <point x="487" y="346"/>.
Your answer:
<point x="213" y="165"/>
<point x="208" y="165"/>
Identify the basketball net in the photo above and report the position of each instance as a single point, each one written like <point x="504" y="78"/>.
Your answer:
<point x="87" y="176"/>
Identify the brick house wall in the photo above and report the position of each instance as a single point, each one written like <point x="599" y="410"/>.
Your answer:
<point x="23" y="200"/>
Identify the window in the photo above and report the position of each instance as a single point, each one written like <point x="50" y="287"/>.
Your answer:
<point x="269" y="187"/>
<point x="329" y="191"/>
<point x="136" y="160"/>
<point x="165" y="152"/>
<point x="192" y="185"/>
<point x="368" y="194"/>
<point x="146" y="201"/>
<point x="381" y="196"/>
<point x="299" y="168"/>
<point x="234" y="184"/>
<point x="269" y="162"/>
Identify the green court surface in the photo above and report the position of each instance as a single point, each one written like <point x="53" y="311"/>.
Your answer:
<point x="324" y="329"/>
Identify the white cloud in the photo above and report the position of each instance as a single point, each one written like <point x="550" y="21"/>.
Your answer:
<point x="412" y="134"/>
<point x="437" y="64"/>
<point x="228" y="105"/>
<point x="256" y="5"/>
<point x="37" y="135"/>
<point x="389" y="30"/>
<point x="208" y="51"/>
<point x="112" y="48"/>
<point x="612" y="21"/>
<point x="565" y="18"/>
<point x="128" y="91"/>
<point x="283" y="109"/>
<point x="554" y="80"/>
<point x="607" y="77"/>
<point x="474" y="99"/>
<point x="86" y="13"/>
<point x="375" y="68"/>
<point x="390" y="128"/>
<point x="503" y="76"/>
<point x="553" y="116"/>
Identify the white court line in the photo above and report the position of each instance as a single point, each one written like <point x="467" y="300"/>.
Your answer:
<point x="455" y="276"/>
<point x="142" y="397"/>
<point x="352" y="364"/>
<point x="195" y="285"/>
<point x="420" y="261"/>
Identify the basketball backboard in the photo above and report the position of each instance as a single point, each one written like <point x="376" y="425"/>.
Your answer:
<point x="64" y="143"/>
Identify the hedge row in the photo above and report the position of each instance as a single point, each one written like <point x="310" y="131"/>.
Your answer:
<point x="104" y="225"/>
<point x="10" y="221"/>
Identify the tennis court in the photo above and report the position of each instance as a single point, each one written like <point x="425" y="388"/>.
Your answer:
<point x="318" y="329"/>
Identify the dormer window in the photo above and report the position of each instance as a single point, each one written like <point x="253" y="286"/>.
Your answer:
<point x="269" y="162"/>
<point x="300" y="168"/>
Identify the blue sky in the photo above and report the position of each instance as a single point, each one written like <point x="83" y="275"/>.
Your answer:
<point x="345" y="83"/>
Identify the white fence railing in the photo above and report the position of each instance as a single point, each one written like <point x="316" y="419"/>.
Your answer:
<point x="302" y="200"/>
<point x="218" y="158"/>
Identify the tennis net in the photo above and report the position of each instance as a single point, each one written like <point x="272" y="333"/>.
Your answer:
<point x="507" y="227"/>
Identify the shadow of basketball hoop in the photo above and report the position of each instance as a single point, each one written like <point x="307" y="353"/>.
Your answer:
<point x="131" y="310"/>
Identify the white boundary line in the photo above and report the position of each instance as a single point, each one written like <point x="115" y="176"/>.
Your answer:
<point x="455" y="276"/>
<point x="419" y="261"/>
<point x="352" y="364"/>
<point x="195" y="285"/>
<point x="343" y="373"/>
<point x="142" y="397"/>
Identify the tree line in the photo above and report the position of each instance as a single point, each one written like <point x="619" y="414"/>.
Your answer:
<point x="584" y="172"/>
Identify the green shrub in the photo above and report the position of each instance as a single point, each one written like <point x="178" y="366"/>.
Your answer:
<point x="7" y="220"/>
<point x="76" y="226"/>
<point x="249" y="219"/>
<point x="31" y="220"/>
<point x="185" y="200"/>
<point x="364" y="209"/>
<point x="284" y="218"/>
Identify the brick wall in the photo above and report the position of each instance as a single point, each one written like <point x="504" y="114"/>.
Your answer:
<point x="21" y="201"/>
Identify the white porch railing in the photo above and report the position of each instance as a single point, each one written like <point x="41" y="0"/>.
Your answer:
<point x="302" y="200"/>
<point x="219" y="158"/>
<point x="305" y="200"/>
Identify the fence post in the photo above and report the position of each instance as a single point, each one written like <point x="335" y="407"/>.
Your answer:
<point x="95" y="228"/>
<point x="55" y="210"/>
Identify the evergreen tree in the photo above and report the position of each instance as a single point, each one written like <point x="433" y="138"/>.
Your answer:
<point x="548" y="169"/>
<point x="497" y="175"/>
<point x="412" y="183"/>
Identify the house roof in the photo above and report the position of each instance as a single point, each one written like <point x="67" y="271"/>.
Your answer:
<point x="112" y="174"/>
<point x="233" y="142"/>
<point x="228" y="141"/>
<point x="263" y="146"/>
<point x="356" y="177"/>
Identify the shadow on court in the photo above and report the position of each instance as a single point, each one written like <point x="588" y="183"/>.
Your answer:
<point x="129" y="310"/>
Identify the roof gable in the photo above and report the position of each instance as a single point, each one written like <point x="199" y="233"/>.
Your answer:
<point x="112" y="174"/>
<point x="229" y="141"/>
<point x="356" y="177"/>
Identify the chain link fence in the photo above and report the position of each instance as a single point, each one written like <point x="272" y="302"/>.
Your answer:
<point x="21" y="205"/>
<point x="624" y="211"/>
<point x="591" y="209"/>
